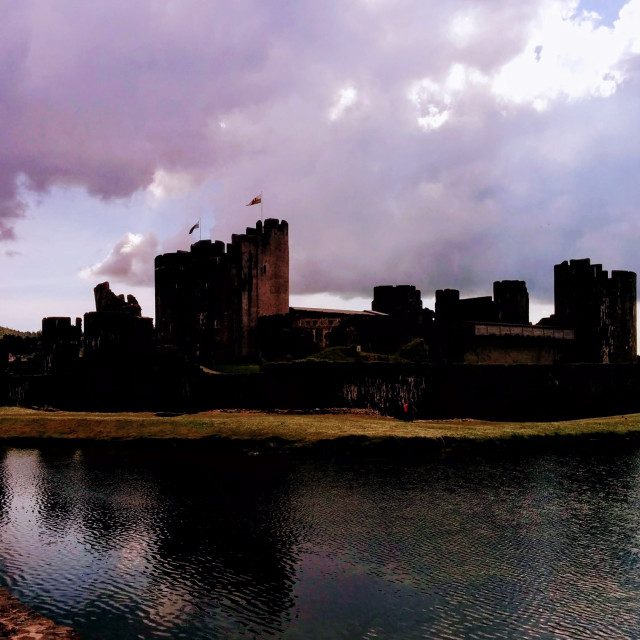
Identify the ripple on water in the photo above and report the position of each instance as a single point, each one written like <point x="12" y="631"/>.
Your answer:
<point x="191" y="545"/>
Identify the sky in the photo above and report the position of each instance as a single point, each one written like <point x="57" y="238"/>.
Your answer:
<point x="439" y="144"/>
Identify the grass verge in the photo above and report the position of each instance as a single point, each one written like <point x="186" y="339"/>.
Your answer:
<point x="295" y="428"/>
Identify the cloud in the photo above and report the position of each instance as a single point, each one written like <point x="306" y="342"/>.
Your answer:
<point x="568" y="55"/>
<point x="347" y="97"/>
<point x="130" y="261"/>
<point x="438" y="144"/>
<point x="167" y="185"/>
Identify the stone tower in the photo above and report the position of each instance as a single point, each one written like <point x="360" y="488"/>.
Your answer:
<point x="600" y="309"/>
<point x="209" y="299"/>
<point x="259" y="272"/>
<point x="402" y="300"/>
<point x="511" y="299"/>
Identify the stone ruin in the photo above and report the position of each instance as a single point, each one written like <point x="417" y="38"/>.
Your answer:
<point x="116" y="329"/>
<point x="106" y="300"/>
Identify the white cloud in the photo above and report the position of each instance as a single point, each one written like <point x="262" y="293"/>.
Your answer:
<point x="346" y="99"/>
<point x="168" y="185"/>
<point x="463" y="27"/>
<point x="433" y="104"/>
<point x="568" y="56"/>
<point x="461" y="77"/>
<point x="628" y="26"/>
<point x="130" y="261"/>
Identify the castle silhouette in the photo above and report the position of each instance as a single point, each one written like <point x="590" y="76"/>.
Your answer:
<point x="220" y="303"/>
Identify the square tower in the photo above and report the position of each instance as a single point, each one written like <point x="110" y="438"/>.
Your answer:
<point x="600" y="309"/>
<point x="209" y="299"/>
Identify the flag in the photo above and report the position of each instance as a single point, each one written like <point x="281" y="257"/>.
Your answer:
<point x="195" y="226"/>
<point x="256" y="200"/>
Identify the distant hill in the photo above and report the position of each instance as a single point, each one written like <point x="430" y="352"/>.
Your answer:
<point x="5" y="331"/>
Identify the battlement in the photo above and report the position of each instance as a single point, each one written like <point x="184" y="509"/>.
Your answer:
<point x="451" y="308"/>
<point x="55" y="326"/>
<point x="270" y="227"/>
<point x="582" y="267"/>
<point x="510" y="304"/>
<point x="582" y="272"/>
<point x="272" y="224"/>
<point x="624" y="277"/>
<point x="447" y="294"/>
<point x="396" y="299"/>
<point x="509" y="288"/>
<point x="208" y="249"/>
<point x="511" y="299"/>
<point x="399" y="289"/>
<point x="446" y="297"/>
<point x="171" y="259"/>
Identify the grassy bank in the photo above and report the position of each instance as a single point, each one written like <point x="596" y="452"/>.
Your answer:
<point x="297" y="429"/>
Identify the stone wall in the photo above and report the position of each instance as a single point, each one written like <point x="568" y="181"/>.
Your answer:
<point x="518" y="392"/>
<point x="491" y="392"/>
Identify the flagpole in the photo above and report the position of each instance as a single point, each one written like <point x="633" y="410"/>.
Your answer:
<point x="261" y="216"/>
<point x="200" y="227"/>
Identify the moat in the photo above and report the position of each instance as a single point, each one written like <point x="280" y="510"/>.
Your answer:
<point x="125" y="544"/>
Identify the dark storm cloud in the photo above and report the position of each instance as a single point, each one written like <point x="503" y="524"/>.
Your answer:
<point x="374" y="127"/>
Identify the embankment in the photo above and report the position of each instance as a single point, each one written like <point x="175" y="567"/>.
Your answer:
<point x="256" y="431"/>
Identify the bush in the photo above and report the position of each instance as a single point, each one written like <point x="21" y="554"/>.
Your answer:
<point x="415" y="351"/>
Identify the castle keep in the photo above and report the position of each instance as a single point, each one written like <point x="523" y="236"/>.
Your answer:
<point x="209" y="299"/>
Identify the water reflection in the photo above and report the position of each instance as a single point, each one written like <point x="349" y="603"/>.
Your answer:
<point x="125" y="543"/>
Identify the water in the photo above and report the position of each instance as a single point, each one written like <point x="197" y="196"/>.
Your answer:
<point x="122" y="544"/>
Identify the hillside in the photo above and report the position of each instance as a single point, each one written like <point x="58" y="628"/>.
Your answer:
<point x="5" y="331"/>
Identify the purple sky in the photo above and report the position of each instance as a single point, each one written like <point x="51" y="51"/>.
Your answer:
<point x="441" y="144"/>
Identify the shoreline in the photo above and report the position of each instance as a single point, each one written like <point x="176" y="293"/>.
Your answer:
<point x="20" y="622"/>
<point x="311" y="432"/>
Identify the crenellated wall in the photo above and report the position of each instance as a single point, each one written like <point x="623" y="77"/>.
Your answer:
<point x="396" y="300"/>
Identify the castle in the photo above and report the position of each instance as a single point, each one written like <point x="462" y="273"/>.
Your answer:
<point x="220" y="303"/>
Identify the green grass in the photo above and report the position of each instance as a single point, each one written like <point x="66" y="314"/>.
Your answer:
<point x="345" y="354"/>
<point x="415" y="351"/>
<point x="236" y="368"/>
<point x="296" y="428"/>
